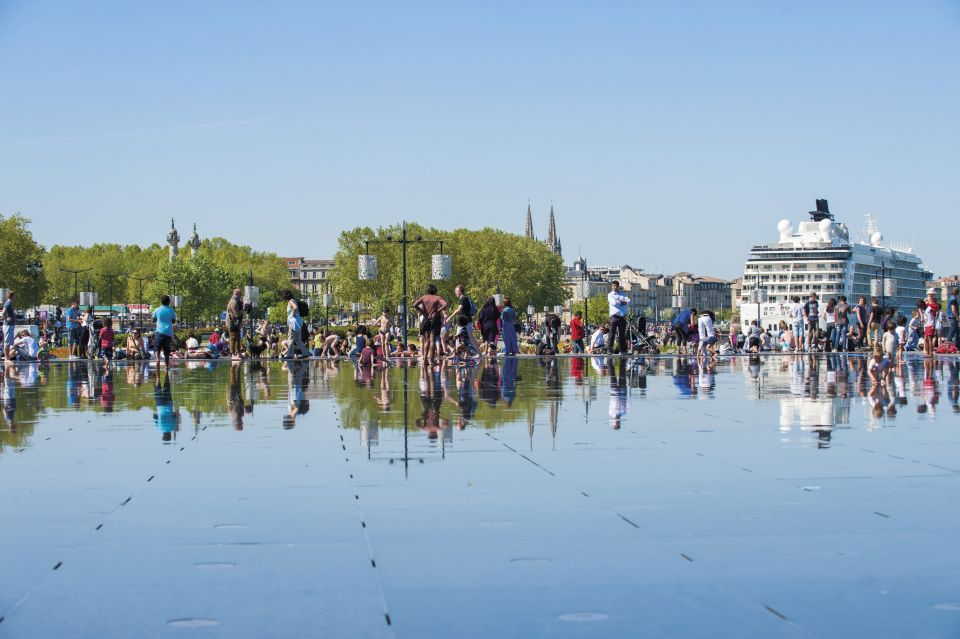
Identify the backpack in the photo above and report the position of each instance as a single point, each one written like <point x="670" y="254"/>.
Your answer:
<point x="473" y="307"/>
<point x="303" y="308"/>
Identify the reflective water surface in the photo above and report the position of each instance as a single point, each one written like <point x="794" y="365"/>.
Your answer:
<point x="758" y="497"/>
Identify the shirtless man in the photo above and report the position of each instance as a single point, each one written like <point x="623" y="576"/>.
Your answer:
<point x="385" y="325"/>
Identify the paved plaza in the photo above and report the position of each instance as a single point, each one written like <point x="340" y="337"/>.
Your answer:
<point x="758" y="497"/>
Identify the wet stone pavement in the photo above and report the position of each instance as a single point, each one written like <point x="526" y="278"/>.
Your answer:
<point x="774" y="497"/>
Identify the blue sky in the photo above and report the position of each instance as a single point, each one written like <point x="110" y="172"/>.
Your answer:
<point x="669" y="135"/>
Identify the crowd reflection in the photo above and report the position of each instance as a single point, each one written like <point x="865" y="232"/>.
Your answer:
<point x="816" y="394"/>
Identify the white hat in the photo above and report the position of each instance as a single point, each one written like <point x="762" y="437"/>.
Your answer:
<point x="931" y="291"/>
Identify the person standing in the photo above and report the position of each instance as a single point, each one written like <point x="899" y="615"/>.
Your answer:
<point x="106" y="338"/>
<point x="876" y="323"/>
<point x="72" y="318"/>
<point x="294" y="328"/>
<point x="164" y="317"/>
<point x="489" y="317"/>
<point x="811" y="315"/>
<point x="508" y="320"/>
<point x="618" y="302"/>
<point x="953" y="316"/>
<point x="861" y="312"/>
<point x="796" y="318"/>
<point x="577" y="332"/>
<point x="431" y="307"/>
<point x="930" y="313"/>
<point x="466" y="309"/>
<point x="234" y="322"/>
<point x="9" y="325"/>
<point x="841" y="324"/>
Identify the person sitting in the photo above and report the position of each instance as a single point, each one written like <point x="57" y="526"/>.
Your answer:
<point x="24" y="348"/>
<point x="135" y="348"/>
<point x="43" y="354"/>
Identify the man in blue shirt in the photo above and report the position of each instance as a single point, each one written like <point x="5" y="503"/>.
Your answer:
<point x="953" y="314"/>
<point x="165" y="317"/>
<point x="72" y="317"/>
<point x="618" y="317"/>
<point x="681" y="327"/>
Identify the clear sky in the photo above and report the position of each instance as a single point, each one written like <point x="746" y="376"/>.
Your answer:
<point x="669" y="135"/>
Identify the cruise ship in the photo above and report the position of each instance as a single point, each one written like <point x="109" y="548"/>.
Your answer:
<point x="819" y="257"/>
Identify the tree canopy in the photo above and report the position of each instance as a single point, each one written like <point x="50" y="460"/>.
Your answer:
<point x="525" y="270"/>
<point x="17" y="249"/>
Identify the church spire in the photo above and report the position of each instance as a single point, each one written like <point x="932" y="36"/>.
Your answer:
<point x="552" y="232"/>
<point x="528" y="229"/>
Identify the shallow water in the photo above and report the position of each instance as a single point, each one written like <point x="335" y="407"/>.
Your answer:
<point x="775" y="496"/>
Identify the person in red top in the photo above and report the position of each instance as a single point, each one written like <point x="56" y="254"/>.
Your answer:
<point x="106" y="341"/>
<point x="576" y="332"/>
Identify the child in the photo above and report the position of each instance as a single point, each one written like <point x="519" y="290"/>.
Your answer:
<point x="891" y="343"/>
<point x="901" y="331"/>
<point x="106" y="341"/>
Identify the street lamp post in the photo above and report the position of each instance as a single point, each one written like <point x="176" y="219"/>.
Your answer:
<point x="76" y="279"/>
<point x="110" y="278"/>
<point x="34" y="269"/>
<point x="367" y="263"/>
<point x="140" y="280"/>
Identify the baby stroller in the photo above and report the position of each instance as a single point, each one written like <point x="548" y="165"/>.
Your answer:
<point x="640" y="340"/>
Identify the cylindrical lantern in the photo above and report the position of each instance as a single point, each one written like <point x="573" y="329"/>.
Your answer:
<point x="366" y="267"/>
<point x="583" y="289"/>
<point x="546" y="309"/>
<point x="890" y="288"/>
<point x="356" y="307"/>
<point x="3" y="295"/>
<point x="498" y="298"/>
<point x="328" y="299"/>
<point x="531" y="310"/>
<point x="441" y="267"/>
<point x="251" y="296"/>
<point x="176" y="301"/>
<point x="558" y="309"/>
<point x="875" y="287"/>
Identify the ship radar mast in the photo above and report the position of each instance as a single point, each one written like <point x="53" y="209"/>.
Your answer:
<point x="822" y="212"/>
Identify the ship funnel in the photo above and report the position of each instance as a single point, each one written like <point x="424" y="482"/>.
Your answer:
<point x="822" y="212"/>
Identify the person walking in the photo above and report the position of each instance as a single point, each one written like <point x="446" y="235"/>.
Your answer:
<point x="234" y="322"/>
<point x="508" y="321"/>
<point x="294" y="328"/>
<point x="431" y="307"/>
<point x="489" y="317"/>
<point x="9" y="325"/>
<point x="931" y="311"/>
<point x="618" y="302"/>
<point x="164" y="317"/>
<point x="577" y="332"/>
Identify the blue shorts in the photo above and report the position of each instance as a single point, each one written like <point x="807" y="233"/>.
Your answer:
<point x="8" y="330"/>
<point x="710" y="340"/>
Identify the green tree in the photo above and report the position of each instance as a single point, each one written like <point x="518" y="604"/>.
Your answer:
<point x="599" y="310"/>
<point x="17" y="249"/>
<point x="484" y="259"/>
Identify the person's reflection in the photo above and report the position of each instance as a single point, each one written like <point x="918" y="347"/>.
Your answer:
<point x="384" y="399"/>
<point x="297" y="404"/>
<point x="953" y="385"/>
<point x="510" y="379"/>
<point x="166" y="418"/>
<point x="706" y="377"/>
<point x="618" y="391"/>
<point x="466" y="399"/>
<point x="9" y="396"/>
<point x="235" y="403"/>
<point x="681" y="377"/>
<point x="576" y="370"/>
<point x="74" y="377"/>
<point x="106" y="390"/>
<point x="490" y="383"/>
<point x="431" y="398"/>
<point x="931" y="392"/>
